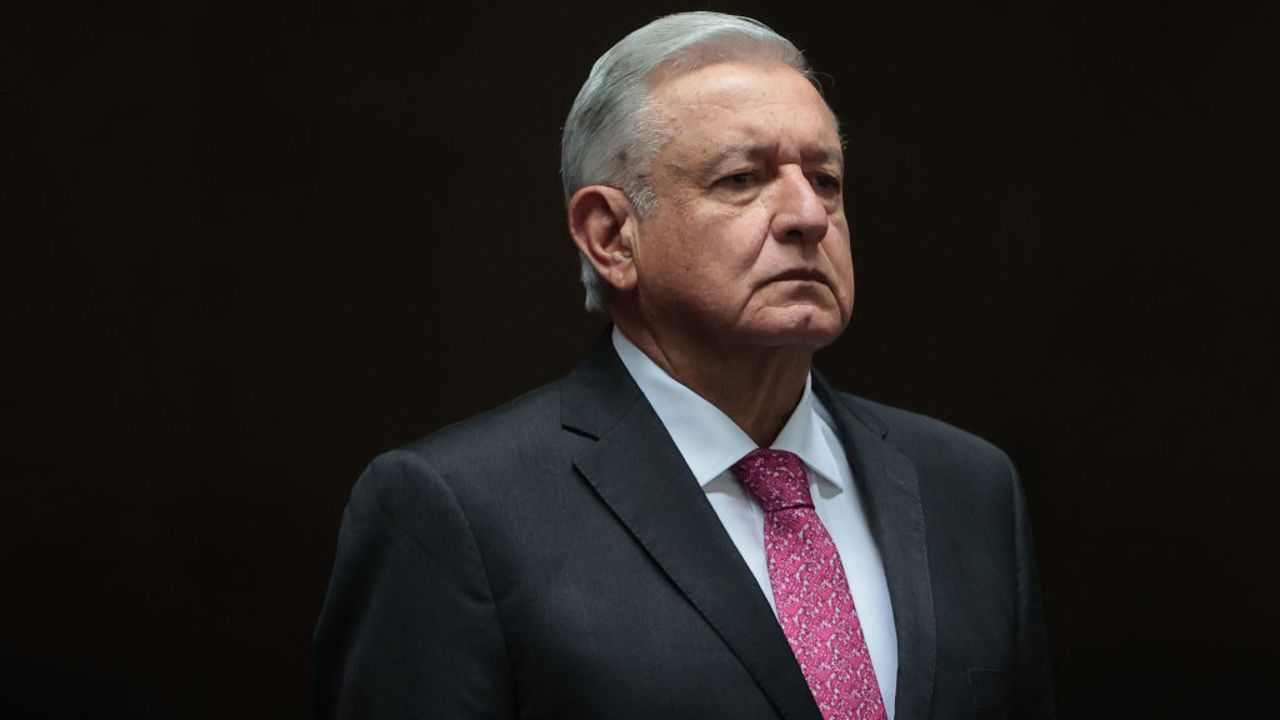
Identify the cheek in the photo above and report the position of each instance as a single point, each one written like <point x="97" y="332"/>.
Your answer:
<point x="845" y="267"/>
<point x="708" y="253"/>
<point x="838" y="250"/>
<point x="740" y="237"/>
<point x="722" y="245"/>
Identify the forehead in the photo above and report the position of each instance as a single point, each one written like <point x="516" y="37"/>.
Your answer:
<point x="711" y="110"/>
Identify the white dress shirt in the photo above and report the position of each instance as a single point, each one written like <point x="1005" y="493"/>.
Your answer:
<point x="711" y="443"/>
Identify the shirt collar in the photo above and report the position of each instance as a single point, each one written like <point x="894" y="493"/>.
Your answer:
<point x="709" y="440"/>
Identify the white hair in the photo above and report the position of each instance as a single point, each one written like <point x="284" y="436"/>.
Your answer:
<point x="612" y="133"/>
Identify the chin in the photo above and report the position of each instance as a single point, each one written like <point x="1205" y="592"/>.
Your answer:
<point x="802" y="327"/>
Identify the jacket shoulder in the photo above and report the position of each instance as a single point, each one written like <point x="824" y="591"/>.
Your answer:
<point x="931" y="443"/>
<point x="906" y="424"/>
<point x="502" y="437"/>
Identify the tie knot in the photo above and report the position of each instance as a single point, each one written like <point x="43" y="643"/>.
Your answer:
<point x="776" y="477"/>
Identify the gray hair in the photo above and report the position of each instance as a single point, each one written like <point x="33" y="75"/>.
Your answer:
<point x="612" y="133"/>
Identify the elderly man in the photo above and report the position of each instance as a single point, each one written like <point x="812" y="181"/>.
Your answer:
<point x="692" y="524"/>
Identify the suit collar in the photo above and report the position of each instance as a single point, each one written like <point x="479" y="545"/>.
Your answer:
<point x="852" y="410"/>
<point x="891" y="491"/>
<point x="636" y="469"/>
<point x="639" y="473"/>
<point x="597" y="393"/>
<point x="709" y="440"/>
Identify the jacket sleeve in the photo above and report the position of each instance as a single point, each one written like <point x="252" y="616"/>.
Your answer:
<point x="1033" y="689"/>
<point x="409" y="626"/>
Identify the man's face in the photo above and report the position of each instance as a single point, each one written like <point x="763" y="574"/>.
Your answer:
<point x="748" y="244"/>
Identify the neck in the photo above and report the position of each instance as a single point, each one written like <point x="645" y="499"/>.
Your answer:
<point x="758" y="388"/>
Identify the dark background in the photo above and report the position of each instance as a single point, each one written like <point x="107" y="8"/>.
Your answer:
<point x="248" y="246"/>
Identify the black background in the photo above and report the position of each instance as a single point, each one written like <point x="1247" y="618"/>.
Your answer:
<point x="249" y="246"/>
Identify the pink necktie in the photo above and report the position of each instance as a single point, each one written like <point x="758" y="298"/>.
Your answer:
<point x="810" y="590"/>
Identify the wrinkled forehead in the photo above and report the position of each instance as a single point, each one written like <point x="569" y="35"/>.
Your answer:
<point x="737" y="84"/>
<point x="737" y="107"/>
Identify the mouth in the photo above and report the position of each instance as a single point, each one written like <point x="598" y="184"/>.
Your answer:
<point x="802" y="274"/>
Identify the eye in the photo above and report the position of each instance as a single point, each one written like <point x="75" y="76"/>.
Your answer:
<point x="738" y="180"/>
<point x="826" y="182"/>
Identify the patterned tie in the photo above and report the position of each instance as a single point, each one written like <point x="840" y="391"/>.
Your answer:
<point x="809" y="589"/>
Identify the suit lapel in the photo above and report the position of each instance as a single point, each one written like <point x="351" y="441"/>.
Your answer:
<point x="638" y="472"/>
<point x="891" y="492"/>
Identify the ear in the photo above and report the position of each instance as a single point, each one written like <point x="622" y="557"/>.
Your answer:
<point x="602" y="222"/>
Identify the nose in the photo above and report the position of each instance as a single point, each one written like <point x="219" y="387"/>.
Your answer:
<point x="801" y="214"/>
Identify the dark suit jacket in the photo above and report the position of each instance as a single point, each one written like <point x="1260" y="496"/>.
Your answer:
<point x="555" y="558"/>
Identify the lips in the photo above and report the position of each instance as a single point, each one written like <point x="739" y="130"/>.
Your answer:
<point x="809" y="274"/>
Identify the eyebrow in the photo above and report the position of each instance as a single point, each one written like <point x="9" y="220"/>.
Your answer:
<point x="729" y="153"/>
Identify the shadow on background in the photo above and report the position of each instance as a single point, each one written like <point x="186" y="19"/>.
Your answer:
<point x="250" y="247"/>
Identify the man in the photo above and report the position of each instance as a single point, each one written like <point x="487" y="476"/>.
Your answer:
<point x="692" y="524"/>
